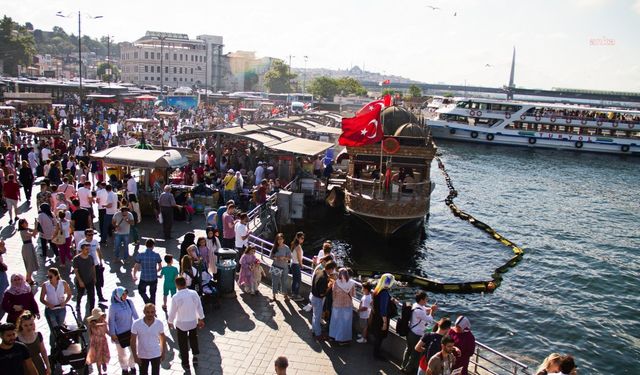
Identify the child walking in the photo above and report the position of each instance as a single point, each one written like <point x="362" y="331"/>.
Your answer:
<point x="258" y="274"/>
<point x="247" y="264"/>
<point x="169" y="273"/>
<point x="364" y="310"/>
<point x="98" y="346"/>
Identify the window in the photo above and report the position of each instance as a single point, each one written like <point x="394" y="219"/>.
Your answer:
<point x="175" y="56"/>
<point x="175" y="70"/>
<point x="146" y="69"/>
<point x="146" y="78"/>
<point x="166" y="69"/>
<point x="174" y="79"/>
<point x="180" y="70"/>
<point x="135" y="55"/>
<point x="158" y="68"/>
<point x="151" y="68"/>
<point x="181" y="79"/>
<point x="166" y="56"/>
<point x="191" y="79"/>
<point x="166" y="78"/>
<point x="135" y="69"/>
<point x="152" y="78"/>
<point x="146" y="56"/>
<point x="192" y="71"/>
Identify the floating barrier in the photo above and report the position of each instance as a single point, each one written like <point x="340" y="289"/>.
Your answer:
<point x="465" y="287"/>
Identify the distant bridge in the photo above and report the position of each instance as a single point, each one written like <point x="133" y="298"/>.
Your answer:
<point x="428" y="88"/>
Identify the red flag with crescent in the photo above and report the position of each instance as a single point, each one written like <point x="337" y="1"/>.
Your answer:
<point x="363" y="129"/>
<point x="376" y="104"/>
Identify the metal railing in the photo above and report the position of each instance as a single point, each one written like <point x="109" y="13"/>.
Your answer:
<point x="375" y="187"/>
<point x="495" y="362"/>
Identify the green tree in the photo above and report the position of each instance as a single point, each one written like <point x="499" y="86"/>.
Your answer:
<point x="17" y="46"/>
<point x="324" y="87"/>
<point x="103" y="72"/>
<point x="391" y="92"/>
<point x="415" y="91"/>
<point x="250" y="80"/>
<point x="348" y="85"/>
<point x="278" y="78"/>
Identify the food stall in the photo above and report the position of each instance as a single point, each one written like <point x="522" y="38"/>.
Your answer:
<point x="6" y="115"/>
<point x="145" y="165"/>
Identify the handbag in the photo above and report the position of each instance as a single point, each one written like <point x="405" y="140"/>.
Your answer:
<point x="276" y="271"/>
<point x="124" y="339"/>
<point x="59" y="238"/>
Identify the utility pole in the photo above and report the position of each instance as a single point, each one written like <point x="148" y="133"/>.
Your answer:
<point x="304" y="79"/>
<point x="108" y="70"/>
<point x="162" y="38"/>
<point x="206" y="73"/>
<point x="289" y="77"/>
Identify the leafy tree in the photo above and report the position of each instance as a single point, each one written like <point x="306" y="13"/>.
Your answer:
<point x="17" y="46"/>
<point x="102" y="72"/>
<point x="415" y="91"/>
<point x="278" y="78"/>
<point x="324" y="87"/>
<point x="348" y="85"/>
<point x="391" y="92"/>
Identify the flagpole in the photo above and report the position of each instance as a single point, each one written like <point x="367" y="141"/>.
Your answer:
<point x="381" y="151"/>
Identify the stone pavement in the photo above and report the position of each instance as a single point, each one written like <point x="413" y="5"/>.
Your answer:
<point x="243" y="336"/>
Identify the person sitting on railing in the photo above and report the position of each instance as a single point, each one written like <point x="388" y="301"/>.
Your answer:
<point x="465" y="341"/>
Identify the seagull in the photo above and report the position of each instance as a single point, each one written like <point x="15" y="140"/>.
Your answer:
<point x="432" y="7"/>
<point x="488" y="66"/>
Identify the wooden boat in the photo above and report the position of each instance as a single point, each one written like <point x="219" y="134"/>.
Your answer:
<point x="388" y="184"/>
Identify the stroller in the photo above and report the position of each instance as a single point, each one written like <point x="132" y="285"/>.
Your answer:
<point x="208" y="290"/>
<point x="70" y="348"/>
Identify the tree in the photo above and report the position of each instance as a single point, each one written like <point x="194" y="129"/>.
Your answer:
<point x="102" y="72"/>
<point x="278" y="78"/>
<point x="17" y="45"/>
<point x="324" y="87"/>
<point x="391" y="92"/>
<point x="415" y="91"/>
<point x="348" y="85"/>
<point x="250" y="80"/>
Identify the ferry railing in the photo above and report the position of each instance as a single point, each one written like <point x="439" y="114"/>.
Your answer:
<point x="375" y="187"/>
<point x="495" y="362"/>
<point x="480" y="361"/>
<point x="578" y="119"/>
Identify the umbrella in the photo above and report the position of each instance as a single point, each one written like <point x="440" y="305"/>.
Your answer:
<point x="146" y="97"/>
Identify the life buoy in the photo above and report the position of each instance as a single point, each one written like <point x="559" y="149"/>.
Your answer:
<point x="615" y="124"/>
<point x="538" y="118"/>
<point x="479" y="113"/>
<point x="553" y="119"/>
<point x="579" y="144"/>
<point x="568" y="120"/>
<point x="507" y="115"/>
<point x="599" y="122"/>
<point x="522" y="117"/>
<point x="624" y="148"/>
<point x="490" y="137"/>
<point x="532" y="141"/>
<point x="472" y="113"/>
<point x="390" y="145"/>
<point x="452" y="131"/>
<point x="583" y="122"/>
<point x="631" y="126"/>
<point x="474" y="134"/>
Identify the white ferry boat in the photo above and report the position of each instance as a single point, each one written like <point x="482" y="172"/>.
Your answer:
<point x="559" y="126"/>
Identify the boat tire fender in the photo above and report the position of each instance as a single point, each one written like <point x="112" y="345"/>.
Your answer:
<point x="523" y="117"/>
<point x="507" y="115"/>
<point x="579" y="144"/>
<point x="452" y="131"/>
<point x="479" y="113"/>
<point x="568" y="120"/>
<point x="532" y="141"/>
<point x="553" y="119"/>
<point x="538" y="118"/>
<point x="474" y="134"/>
<point x="490" y="137"/>
<point x="624" y="148"/>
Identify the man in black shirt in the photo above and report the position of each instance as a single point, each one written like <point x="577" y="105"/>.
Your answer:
<point x="80" y="221"/>
<point x="14" y="355"/>
<point x="320" y="286"/>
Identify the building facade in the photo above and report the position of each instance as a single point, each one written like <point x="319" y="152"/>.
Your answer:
<point x="243" y="71"/>
<point x="173" y="58"/>
<point x="213" y="68"/>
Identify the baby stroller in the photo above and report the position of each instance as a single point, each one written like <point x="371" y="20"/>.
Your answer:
<point x="208" y="291"/>
<point x="70" y="348"/>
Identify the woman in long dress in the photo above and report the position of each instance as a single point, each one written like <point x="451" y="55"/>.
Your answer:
<point x="28" y="250"/>
<point x="247" y="263"/>
<point x="98" y="345"/>
<point x="342" y="308"/>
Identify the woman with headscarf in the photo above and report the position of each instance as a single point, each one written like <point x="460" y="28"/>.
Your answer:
<point x="19" y="298"/>
<point x="122" y="313"/>
<point x="343" y="292"/>
<point x="46" y="225"/>
<point x="188" y="240"/>
<point x="465" y="341"/>
<point x="213" y="245"/>
<point x="380" y="313"/>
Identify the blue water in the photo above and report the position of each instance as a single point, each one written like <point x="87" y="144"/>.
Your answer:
<point x="577" y="289"/>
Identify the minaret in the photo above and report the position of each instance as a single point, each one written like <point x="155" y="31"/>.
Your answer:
<point x="511" y="86"/>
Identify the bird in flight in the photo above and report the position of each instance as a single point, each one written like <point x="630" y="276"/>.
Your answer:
<point x="432" y="7"/>
<point x="488" y="65"/>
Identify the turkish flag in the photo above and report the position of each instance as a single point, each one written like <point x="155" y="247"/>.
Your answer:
<point x="370" y="107"/>
<point x="363" y="129"/>
<point x="387" y="100"/>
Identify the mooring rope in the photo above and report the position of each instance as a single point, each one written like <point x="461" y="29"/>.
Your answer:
<point x="462" y="287"/>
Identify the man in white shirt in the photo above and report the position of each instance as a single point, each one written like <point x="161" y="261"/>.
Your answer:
<point x="101" y="199"/>
<point x="46" y="154"/>
<point x="148" y="343"/>
<point x="111" y="208"/>
<point x="33" y="160"/>
<point x="242" y="232"/>
<point x="259" y="173"/>
<point x="187" y="315"/>
<point x="132" y="188"/>
<point x="421" y="318"/>
<point x="85" y="198"/>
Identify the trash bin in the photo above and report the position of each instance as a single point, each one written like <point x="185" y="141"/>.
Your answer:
<point x="226" y="270"/>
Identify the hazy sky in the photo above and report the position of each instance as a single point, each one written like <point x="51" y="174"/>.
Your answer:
<point x="591" y="44"/>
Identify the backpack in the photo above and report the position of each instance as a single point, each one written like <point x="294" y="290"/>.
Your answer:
<point x="432" y="345"/>
<point x="402" y="325"/>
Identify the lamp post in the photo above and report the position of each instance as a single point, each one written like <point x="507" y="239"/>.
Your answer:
<point x="289" y="77"/>
<point x="304" y="76"/>
<point x="161" y="38"/>
<point x="59" y="14"/>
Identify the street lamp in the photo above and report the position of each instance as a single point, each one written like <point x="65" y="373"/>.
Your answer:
<point x="304" y="79"/>
<point x="161" y="39"/>
<point x="59" y="14"/>
<point x="289" y="86"/>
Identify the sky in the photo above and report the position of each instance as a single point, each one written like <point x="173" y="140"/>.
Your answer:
<point x="585" y="44"/>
